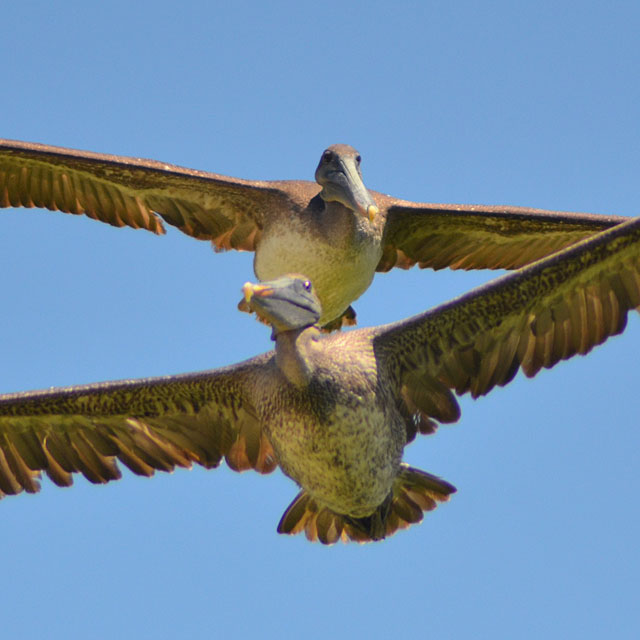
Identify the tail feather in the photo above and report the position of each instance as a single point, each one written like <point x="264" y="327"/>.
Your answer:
<point x="413" y="493"/>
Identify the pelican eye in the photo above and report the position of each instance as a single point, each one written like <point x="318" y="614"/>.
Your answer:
<point x="327" y="156"/>
<point x="307" y="285"/>
<point x="358" y="158"/>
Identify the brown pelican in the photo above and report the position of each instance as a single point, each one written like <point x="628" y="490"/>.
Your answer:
<point x="334" y="230"/>
<point x="334" y="412"/>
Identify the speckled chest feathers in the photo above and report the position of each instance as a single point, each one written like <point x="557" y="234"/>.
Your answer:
<point x="338" y="435"/>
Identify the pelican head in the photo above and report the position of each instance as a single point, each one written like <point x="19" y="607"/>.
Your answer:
<point x="338" y="174"/>
<point x="287" y="303"/>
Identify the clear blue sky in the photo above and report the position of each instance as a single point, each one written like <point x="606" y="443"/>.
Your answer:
<point x="476" y="102"/>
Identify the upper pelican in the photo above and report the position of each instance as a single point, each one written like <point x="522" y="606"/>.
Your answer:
<point x="335" y="412"/>
<point x="335" y="231"/>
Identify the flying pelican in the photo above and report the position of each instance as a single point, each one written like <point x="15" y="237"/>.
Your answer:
<point x="335" y="231"/>
<point x="333" y="411"/>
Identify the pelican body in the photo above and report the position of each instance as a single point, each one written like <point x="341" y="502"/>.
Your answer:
<point x="342" y="442"/>
<point x="329" y="412"/>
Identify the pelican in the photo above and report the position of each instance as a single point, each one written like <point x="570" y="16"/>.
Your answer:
<point x="335" y="231"/>
<point x="334" y="412"/>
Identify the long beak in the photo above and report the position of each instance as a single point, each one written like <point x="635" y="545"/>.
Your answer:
<point x="354" y="194"/>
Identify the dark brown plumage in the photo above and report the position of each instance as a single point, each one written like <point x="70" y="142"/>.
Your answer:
<point x="320" y="229"/>
<point x="335" y="412"/>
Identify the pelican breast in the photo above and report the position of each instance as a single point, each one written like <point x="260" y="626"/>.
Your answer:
<point x="340" y="262"/>
<point x="338" y="436"/>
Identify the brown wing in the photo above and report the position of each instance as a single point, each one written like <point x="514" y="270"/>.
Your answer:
<point x="561" y="306"/>
<point x="480" y="237"/>
<point x="130" y="192"/>
<point x="149" y="424"/>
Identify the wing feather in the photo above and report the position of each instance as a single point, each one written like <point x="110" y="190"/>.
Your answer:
<point x="532" y="319"/>
<point x="148" y="425"/>
<point x="479" y="237"/>
<point x="137" y="193"/>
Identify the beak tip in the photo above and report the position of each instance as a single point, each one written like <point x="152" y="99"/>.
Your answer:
<point x="247" y="290"/>
<point x="372" y="212"/>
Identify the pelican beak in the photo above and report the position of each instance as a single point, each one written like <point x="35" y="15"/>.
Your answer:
<point x="250" y="289"/>
<point x="351" y="191"/>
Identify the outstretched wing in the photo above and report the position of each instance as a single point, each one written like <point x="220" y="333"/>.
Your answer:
<point x="480" y="237"/>
<point x="558" y="307"/>
<point x="148" y="424"/>
<point x="130" y="192"/>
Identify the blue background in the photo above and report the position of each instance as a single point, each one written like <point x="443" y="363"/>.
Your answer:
<point x="488" y="103"/>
